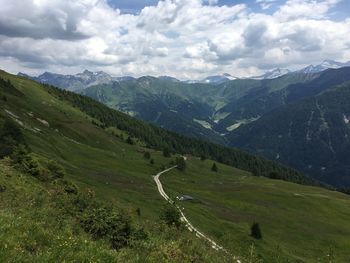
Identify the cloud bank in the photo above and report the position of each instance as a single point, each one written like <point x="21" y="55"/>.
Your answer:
<point x="183" y="38"/>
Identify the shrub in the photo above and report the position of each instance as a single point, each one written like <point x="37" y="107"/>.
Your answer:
<point x="57" y="170"/>
<point x="19" y="155"/>
<point x="11" y="137"/>
<point x="139" y="234"/>
<point x="255" y="231"/>
<point x="2" y="188"/>
<point x="84" y="200"/>
<point x="170" y="215"/>
<point x="151" y="161"/>
<point x="7" y="146"/>
<point x="69" y="187"/>
<point x="29" y="163"/>
<point x="11" y="129"/>
<point x="107" y="223"/>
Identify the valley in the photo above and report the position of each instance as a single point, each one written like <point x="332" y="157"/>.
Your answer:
<point x="68" y="128"/>
<point x="223" y="111"/>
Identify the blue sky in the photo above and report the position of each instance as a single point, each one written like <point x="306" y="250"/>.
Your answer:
<point x="187" y="39"/>
<point x="134" y="6"/>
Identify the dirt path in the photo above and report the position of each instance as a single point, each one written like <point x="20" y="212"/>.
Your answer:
<point x="188" y="224"/>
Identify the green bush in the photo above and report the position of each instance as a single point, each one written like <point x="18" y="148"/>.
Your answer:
<point x="85" y="200"/>
<point x="69" y="187"/>
<point x="170" y="215"/>
<point x="2" y="188"/>
<point x="57" y="170"/>
<point x="11" y="137"/>
<point x="37" y="166"/>
<point x="109" y="224"/>
<point x="30" y="164"/>
<point x="139" y="234"/>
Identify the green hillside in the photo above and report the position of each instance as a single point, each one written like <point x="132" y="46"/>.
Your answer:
<point x="298" y="223"/>
<point x="90" y="141"/>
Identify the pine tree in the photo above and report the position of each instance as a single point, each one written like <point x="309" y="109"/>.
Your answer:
<point x="214" y="168"/>
<point x="181" y="163"/>
<point x="255" y="231"/>
<point x="130" y="141"/>
<point x="166" y="153"/>
<point x="147" y="155"/>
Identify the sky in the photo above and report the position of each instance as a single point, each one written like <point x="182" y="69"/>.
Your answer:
<point x="187" y="39"/>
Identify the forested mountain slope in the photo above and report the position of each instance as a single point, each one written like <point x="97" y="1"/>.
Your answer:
<point x="311" y="135"/>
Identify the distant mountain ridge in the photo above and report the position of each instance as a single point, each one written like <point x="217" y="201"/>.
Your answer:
<point x="326" y="64"/>
<point x="87" y="78"/>
<point x="218" y="79"/>
<point x="276" y="73"/>
<point x="73" y="82"/>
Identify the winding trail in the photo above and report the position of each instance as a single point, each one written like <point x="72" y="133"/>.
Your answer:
<point x="183" y="218"/>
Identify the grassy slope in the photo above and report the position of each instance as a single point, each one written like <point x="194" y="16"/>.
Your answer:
<point x="119" y="175"/>
<point x="35" y="228"/>
<point x="94" y="159"/>
<point x="298" y="222"/>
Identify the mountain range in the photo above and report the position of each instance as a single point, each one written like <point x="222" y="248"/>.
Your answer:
<point x="240" y="112"/>
<point x="87" y="78"/>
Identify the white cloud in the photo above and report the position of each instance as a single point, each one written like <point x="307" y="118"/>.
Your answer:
<point x="294" y="9"/>
<point x="183" y="38"/>
<point x="265" y="4"/>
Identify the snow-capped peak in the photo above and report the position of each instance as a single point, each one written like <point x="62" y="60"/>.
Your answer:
<point x="275" y="73"/>
<point x="326" y="64"/>
<point x="217" y="79"/>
